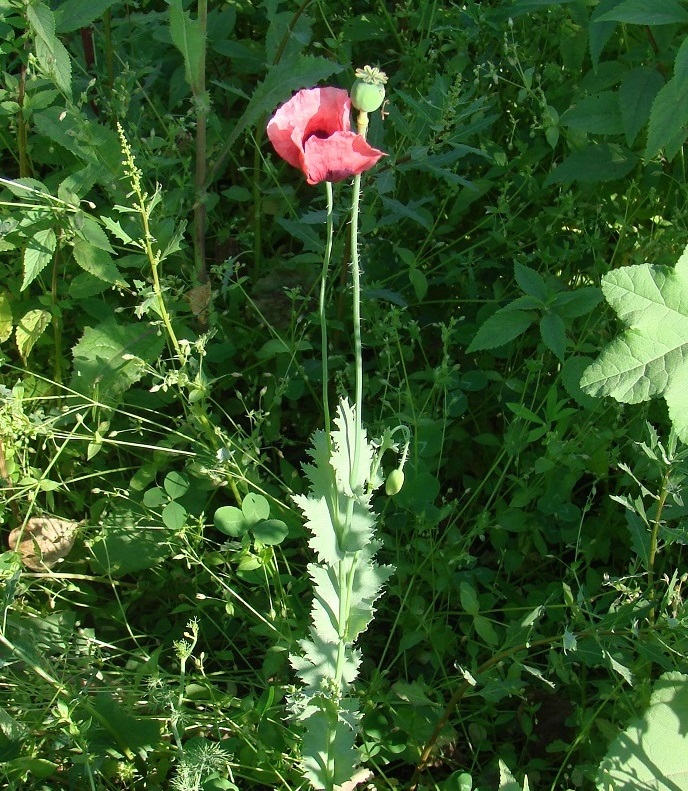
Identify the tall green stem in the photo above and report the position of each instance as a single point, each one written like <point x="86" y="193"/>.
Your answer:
<point x="323" y="318"/>
<point x="201" y="103"/>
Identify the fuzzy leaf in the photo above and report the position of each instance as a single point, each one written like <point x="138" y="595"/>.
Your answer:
<point x="651" y="357"/>
<point x="651" y="752"/>
<point x="328" y="756"/>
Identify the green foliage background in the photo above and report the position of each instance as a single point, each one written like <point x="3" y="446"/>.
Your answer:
<point x="536" y="622"/>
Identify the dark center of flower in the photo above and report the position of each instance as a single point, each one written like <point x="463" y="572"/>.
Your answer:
<point x="321" y="133"/>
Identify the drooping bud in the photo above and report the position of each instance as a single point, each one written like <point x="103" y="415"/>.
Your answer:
<point x="368" y="91"/>
<point x="394" y="482"/>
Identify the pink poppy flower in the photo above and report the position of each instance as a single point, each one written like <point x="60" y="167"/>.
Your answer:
<point x="312" y="131"/>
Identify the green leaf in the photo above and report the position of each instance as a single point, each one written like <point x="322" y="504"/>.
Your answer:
<point x="469" y="598"/>
<point x="255" y="508"/>
<point x="50" y="51"/>
<point x="600" y="32"/>
<point x="651" y="752"/>
<point x="270" y="531"/>
<point x="6" y="320"/>
<point x="651" y="356"/>
<point x="97" y="262"/>
<point x="176" y="485"/>
<point x="174" y="516"/>
<point x="187" y="36"/>
<point x="231" y="521"/>
<point x="531" y="282"/>
<point x="38" y="254"/>
<point x="553" y="334"/>
<point x="111" y="357"/>
<point x="126" y="547"/>
<point x="115" y="725"/>
<point x="594" y="163"/>
<point x="647" y="12"/>
<point x="669" y="114"/>
<point x="507" y="782"/>
<point x="30" y="328"/>
<point x="571" y="304"/>
<point x="483" y="626"/>
<point x="636" y="95"/>
<point x="71" y="15"/>
<point x="500" y="328"/>
<point x="419" y="283"/>
<point x="598" y="114"/>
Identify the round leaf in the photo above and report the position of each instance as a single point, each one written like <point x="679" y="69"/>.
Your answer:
<point x="230" y="520"/>
<point x="255" y="508"/>
<point x="174" y="516"/>
<point x="270" y="531"/>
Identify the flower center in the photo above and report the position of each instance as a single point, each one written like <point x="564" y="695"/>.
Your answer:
<point x="320" y="133"/>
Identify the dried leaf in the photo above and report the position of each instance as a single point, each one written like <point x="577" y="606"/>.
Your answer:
<point x="199" y="300"/>
<point x="43" y="540"/>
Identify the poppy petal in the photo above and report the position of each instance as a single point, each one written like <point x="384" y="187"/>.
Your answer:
<point x="337" y="157"/>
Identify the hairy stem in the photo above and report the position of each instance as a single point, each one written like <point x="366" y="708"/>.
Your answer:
<point x="321" y="308"/>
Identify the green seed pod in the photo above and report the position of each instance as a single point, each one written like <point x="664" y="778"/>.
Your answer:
<point x="394" y="482"/>
<point x="367" y="97"/>
<point x="368" y="91"/>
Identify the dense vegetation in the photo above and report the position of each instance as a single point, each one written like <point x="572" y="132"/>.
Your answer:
<point x="161" y="381"/>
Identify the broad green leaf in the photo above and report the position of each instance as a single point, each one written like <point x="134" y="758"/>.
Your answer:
<point x="55" y="59"/>
<point x="651" y="752"/>
<point x="647" y="12"/>
<point x="507" y="782"/>
<point x="600" y="32"/>
<point x="531" y="282"/>
<point x="89" y="228"/>
<point x="484" y="628"/>
<point x="38" y="254"/>
<point x="636" y="95"/>
<point x="29" y="329"/>
<point x="594" y="163"/>
<point x="270" y="531"/>
<point x="571" y="304"/>
<point x="71" y="15"/>
<point x="553" y="334"/>
<point x="419" y="283"/>
<point x="231" y="521"/>
<point x="669" y="113"/>
<point x="126" y="547"/>
<point x="111" y="357"/>
<point x="42" y="22"/>
<point x="5" y="317"/>
<point x="255" y="508"/>
<point x="597" y="114"/>
<point x="97" y="262"/>
<point x="650" y="358"/>
<point x="500" y="328"/>
<point x="187" y="37"/>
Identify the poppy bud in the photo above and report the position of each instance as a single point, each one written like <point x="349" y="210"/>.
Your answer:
<point x="394" y="482"/>
<point x="368" y="91"/>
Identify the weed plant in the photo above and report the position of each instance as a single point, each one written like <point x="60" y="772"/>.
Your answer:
<point x="162" y="379"/>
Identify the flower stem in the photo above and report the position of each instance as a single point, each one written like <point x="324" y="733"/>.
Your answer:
<point x="323" y="318"/>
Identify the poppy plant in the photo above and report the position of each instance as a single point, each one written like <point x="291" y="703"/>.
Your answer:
<point x="312" y="132"/>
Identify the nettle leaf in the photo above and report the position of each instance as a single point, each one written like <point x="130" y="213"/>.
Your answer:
<point x="38" y="254"/>
<point x="651" y="752"/>
<point x="594" y="163"/>
<point x="637" y="92"/>
<point x="5" y="317"/>
<point x="111" y="357"/>
<point x="647" y="12"/>
<point x="502" y="327"/>
<point x="597" y="114"/>
<point x="50" y="51"/>
<point x="669" y="114"/>
<point x="97" y="262"/>
<point x="651" y="356"/>
<point x="30" y="328"/>
<point x="72" y="15"/>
